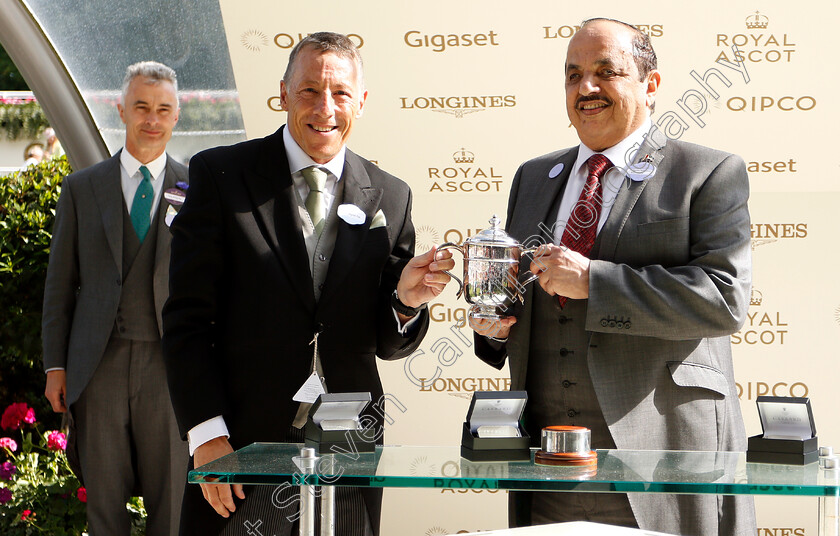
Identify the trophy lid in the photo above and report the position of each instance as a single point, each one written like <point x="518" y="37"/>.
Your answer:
<point x="493" y="236"/>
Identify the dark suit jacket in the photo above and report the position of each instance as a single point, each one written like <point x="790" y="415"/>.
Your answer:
<point x="242" y="310"/>
<point x="84" y="275"/>
<point x="669" y="282"/>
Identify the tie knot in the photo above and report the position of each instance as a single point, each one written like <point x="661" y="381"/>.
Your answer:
<point x="147" y="175"/>
<point x="598" y="163"/>
<point x="315" y="177"/>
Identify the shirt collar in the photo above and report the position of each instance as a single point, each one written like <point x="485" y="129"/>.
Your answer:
<point x="299" y="159"/>
<point x="618" y="152"/>
<point x="132" y="165"/>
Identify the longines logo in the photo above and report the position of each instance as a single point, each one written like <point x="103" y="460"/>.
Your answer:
<point x="463" y="176"/>
<point x="440" y="42"/>
<point x="253" y="40"/>
<point x="565" y="32"/>
<point x="779" y="166"/>
<point x="764" y="328"/>
<point x="459" y="106"/>
<point x="767" y="233"/>
<point x="753" y="389"/>
<point x="765" y="103"/>
<point x="463" y="387"/>
<point x="757" y="44"/>
<point x="287" y="41"/>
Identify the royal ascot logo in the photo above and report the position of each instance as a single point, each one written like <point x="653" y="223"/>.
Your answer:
<point x="763" y="327"/>
<point x="421" y="466"/>
<point x="253" y="40"/>
<point x="463" y="176"/>
<point x="769" y="166"/>
<point x="436" y="531"/>
<point x="767" y="233"/>
<point x="458" y="106"/>
<point x="757" y="44"/>
<point x="288" y="41"/>
<point x="754" y="389"/>
<point x="565" y="32"/>
<point x="443" y="42"/>
<point x="765" y="103"/>
<point x="463" y="387"/>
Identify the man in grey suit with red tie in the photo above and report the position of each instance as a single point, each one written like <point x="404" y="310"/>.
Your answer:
<point x="106" y="284"/>
<point x="283" y="240"/>
<point x="644" y="272"/>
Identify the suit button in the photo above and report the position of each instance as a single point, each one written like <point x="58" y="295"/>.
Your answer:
<point x="567" y="384"/>
<point x="320" y="286"/>
<point x="563" y="352"/>
<point x="603" y="322"/>
<point x="122" y="329"/>
<point x="119" y="281"/>
<point x="627" y="325"/>
<point x="612" y="323"/>
<point x="571" y="413"/>
<point x="562" y="320"/>
<point x="322" y="257"/>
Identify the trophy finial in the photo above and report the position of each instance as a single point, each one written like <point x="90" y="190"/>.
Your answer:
<point x="495" y="221"/>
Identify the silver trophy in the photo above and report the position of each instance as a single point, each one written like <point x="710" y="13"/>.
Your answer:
<point x="491" y="271"/>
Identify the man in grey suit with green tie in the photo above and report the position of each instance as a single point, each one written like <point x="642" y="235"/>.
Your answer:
<point x="644" y="272"/>
<point x="107" y="281"/>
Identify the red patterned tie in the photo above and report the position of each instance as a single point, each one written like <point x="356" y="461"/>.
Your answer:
<point x="582" y="225"/>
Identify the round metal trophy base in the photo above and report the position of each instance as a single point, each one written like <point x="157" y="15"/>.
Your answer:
<point x="486" y="313"/>
<point x="569" y="459"/>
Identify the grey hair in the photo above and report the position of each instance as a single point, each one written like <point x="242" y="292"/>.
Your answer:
<point x="154" y="71"/>
<point x="327" y="42"/>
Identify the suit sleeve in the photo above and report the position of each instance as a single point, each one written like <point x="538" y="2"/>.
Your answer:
<point x="197" y="268"/>
<point x="62" y="283"/>
<point x="705" y="297"/>
<point x="390" y="343"/>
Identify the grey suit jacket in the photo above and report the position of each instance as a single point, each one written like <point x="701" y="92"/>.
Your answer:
<point x="84" y="275"/>
<point x="669" y="282"/>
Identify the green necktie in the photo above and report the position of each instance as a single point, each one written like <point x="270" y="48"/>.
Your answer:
<point x="141" y="207"/>
<point x="316" y="178"/>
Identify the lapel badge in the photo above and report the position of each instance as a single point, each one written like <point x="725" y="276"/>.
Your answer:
<point x="556" y="170"/>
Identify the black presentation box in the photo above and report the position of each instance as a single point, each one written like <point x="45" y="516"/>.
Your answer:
<point x="334" y="424"/>
<point x="790" y="436"/>
<point x="497" y="409"/>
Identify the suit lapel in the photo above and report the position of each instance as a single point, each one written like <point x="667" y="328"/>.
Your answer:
<point x="275" y="209"/>
<point x="629" y="194"/>
<point x="348" y="244"/>
<point x="160" y="280"/>
<point x="107" y="189"/>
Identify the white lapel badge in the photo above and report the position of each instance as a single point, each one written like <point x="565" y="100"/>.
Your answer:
<point x="351" y="214"/>
<point x="556" y="170"/>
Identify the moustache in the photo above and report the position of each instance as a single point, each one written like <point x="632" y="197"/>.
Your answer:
<point x="587" y="98"/>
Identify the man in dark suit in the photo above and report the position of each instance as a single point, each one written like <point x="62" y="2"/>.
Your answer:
<point x="106" y="284"/>
<point x="283" y="240"/>
<point x="645" y="272"/>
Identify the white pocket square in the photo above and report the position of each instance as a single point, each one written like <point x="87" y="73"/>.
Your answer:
<point x="378" y="220"/>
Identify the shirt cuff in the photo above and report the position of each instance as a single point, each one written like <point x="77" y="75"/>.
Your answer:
<point x="204" y="432"/>
<point x="54" y="368"/>
<point x="405" y="329"/>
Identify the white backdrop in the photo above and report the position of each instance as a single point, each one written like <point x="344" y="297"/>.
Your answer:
<point x="460" y="93"/>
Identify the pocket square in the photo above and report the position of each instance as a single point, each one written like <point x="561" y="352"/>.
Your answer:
<point x="378" y="220"/>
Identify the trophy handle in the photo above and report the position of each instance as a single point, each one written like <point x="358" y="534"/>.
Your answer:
<point x="530" y="278"/>
<point x="460" y="249"/>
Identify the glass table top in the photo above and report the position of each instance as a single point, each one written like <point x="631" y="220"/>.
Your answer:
<point x="443" y="467"/>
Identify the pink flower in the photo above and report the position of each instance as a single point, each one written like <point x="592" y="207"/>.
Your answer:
<point x="56" y="441"/>
<point x="5" y="495"/>
<point x="27" y="515"/>
<point x="8" y="443"/>
<point x="16" y="414"/>
<point x="82" y="494"/>
<point x="7" y="470"/>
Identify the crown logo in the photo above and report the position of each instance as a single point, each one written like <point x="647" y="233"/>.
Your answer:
<point x="757" y="21"/>
<point x="755" y="297"/>
<point x="463" y="156"/>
